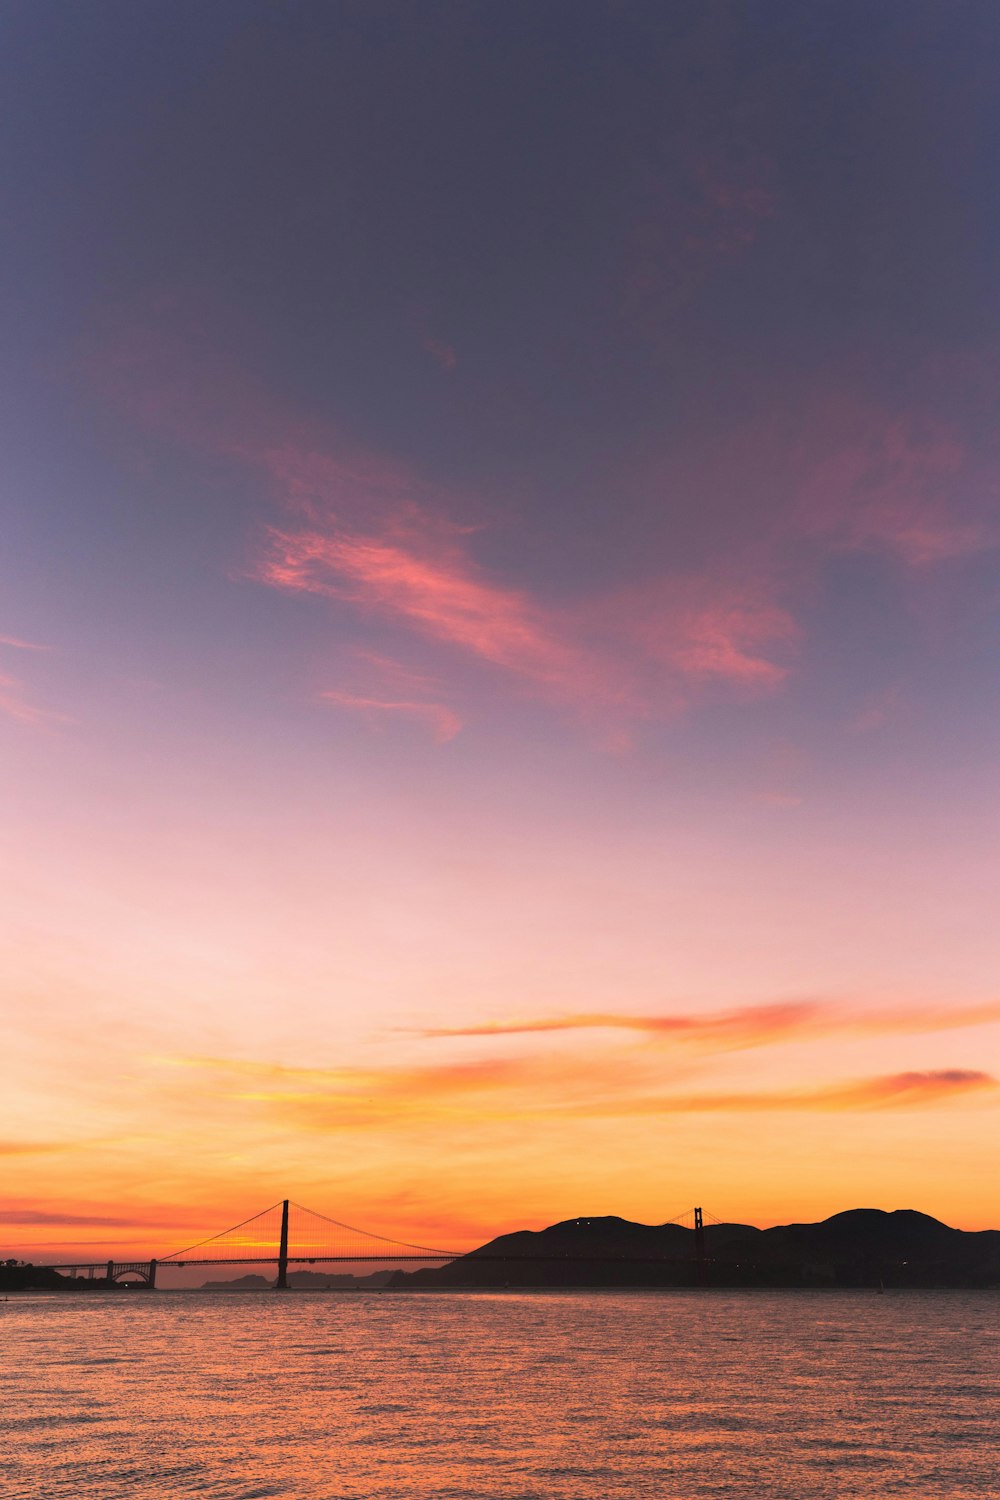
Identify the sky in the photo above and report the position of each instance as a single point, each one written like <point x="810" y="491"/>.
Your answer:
<point x="498" y="694"/>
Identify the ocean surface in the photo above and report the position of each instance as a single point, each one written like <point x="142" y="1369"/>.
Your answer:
<point x="751" y="1395"/>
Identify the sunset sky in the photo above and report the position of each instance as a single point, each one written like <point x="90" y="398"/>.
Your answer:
<point x="501" y="613"/>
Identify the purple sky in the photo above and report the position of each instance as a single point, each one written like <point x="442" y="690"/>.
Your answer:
<point x="502" y="533"/>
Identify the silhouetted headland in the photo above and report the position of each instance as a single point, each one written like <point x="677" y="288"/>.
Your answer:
<point x="22" y="1276"/>
<point x="862" y="1247"/>
<point x="303" y="1281"/>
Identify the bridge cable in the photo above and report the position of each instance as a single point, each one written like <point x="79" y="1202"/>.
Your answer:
<point x="176" y="1253"/>
<point x="369" y="1234"/>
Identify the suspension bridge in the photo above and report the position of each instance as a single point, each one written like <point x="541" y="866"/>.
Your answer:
<point x="287" y="1234"/>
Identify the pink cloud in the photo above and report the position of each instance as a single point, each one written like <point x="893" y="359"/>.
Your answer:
<point x="701" y="212"/>
<point x="430" y="583"/>
<point x="444" y="722"/>
<point x="877" y="482"/>
<point x="14" y="699"/>
<point x="379" y="685"/>
<point x="162" y="363"/>
<point x="642" y="653"/>
<point x="361" y="530"/>
<point x="19" y="645"/>
<point x="16" y="705"/>
<point x="445" y="354"/>
<point x="709" y="629"/>
<point x="879" y="711"/>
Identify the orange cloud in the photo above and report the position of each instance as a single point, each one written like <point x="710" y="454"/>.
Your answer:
<point x="415" y="1082"/>
<point x="35" y="1217"/>
<point x="892" y="1091"/>
<point x="750" y="1025"/>
<point x="355" y="1098"/>
<point x="747" y="1026"/>
<point x="30" y="1148"/>
<point x="519" y="1088"/>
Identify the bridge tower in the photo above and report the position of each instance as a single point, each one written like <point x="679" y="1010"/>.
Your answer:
<point x="281" y="1285"/>
<point x="699" y="1247"/>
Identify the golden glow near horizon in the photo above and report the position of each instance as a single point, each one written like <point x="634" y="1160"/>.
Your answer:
<point x="440" y="1027"/>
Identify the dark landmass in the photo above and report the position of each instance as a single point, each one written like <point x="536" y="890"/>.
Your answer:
<point x="305" y="1281"/>
<point x="19" y="1277"/>
<point x="864" y="1247"/>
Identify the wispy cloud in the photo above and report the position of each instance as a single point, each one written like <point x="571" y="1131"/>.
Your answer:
<point x="638" y="654"/>
<point x="15" y="704"/>
<point x="878" y="711"/>
<point x="31" y="1216"/>
<point x="748" y="1026"/>
<point x="478" y="1089"/>
<point x="709" y="628"/>
<point x="438" y="348"/>
<point x="878" y="481"/>
<point x="15" y="701"/>
<point x="19" y="645"/>
<point x="911" y="1090"/>
<point x="375" y="685"/>
<point x="496" y="1089"/>
<point x="694" y="215"/>
<point x="362" y="531"/>
<point x="443" y="722"/>
<point x="32" y="1148"/>
<point x="417" y="573"/>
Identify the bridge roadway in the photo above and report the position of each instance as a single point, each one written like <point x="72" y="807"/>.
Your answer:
<point x="326" y="1260"/>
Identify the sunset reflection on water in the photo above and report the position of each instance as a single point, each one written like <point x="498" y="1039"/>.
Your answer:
<point x="518" y="1397"/>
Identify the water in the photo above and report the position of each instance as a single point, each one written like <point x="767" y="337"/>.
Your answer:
<point x="745" y="1395"/>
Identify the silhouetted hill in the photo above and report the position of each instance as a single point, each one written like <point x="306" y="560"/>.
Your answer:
<point x="16" y="1276"/>
<point x="25" y="1278"/>
<point x="304" y="1281"/>
<point x="862" y="1247"/>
